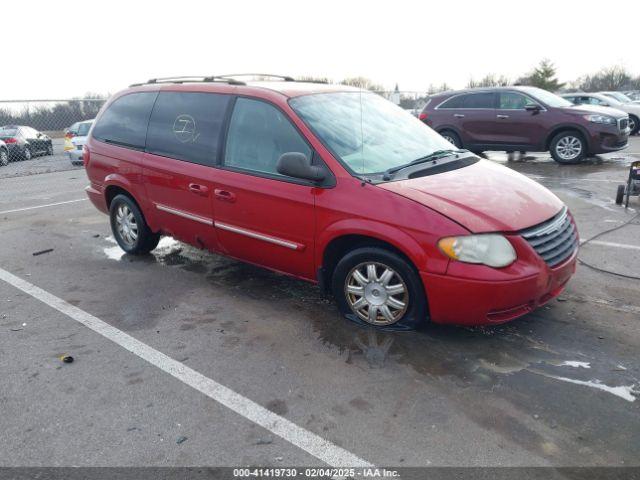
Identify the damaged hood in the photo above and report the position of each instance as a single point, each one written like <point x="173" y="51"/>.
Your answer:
<point x="483" y="197"/>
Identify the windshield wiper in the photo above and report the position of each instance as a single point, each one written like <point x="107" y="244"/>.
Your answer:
<point x="427" y="158"/>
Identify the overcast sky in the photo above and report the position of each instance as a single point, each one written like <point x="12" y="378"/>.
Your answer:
<point x="63" y="49"/>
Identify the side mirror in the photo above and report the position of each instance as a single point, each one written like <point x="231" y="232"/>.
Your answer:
<point x="532" y="108"/>
<point x="297" y="165"/>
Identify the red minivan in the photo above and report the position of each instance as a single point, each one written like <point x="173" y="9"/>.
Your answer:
<point x="333" y="185"/>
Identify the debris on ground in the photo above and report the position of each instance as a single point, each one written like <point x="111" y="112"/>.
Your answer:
<point x="265" y="441"/>
<point x="66" y="358"/>
<point x="180" y="440"/>
<point x="42" y="252"/>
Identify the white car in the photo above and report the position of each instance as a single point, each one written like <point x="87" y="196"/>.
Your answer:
<point x="75" y="139"/>
<point x="609" y="99"/>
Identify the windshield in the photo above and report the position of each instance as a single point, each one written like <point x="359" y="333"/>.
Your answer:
<point x="621" y="97"/>
<point x="548" y="98"/>
<point x="368" y="133"/>
<point x="83" y="129"/>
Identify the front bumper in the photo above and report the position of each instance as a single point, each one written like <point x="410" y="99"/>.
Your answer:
<point x="608" y="140"/>
<point x="466" y="301"/>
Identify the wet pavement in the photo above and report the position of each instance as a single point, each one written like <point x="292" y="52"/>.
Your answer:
<point x="558" y="387"/>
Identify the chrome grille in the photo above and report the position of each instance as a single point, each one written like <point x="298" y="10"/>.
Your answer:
<point x="623" y="123"/>
<point x="554" y="240"/>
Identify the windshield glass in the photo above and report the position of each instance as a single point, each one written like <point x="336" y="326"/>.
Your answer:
<point x="621" y="97"/>
<point x="83" y="129"/>
<point x="548" y="98"/>
<point x="368" y="133"/>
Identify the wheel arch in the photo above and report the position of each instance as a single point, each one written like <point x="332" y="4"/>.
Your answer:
<point x="567" y="127"/>
<point x="338" y="241"/>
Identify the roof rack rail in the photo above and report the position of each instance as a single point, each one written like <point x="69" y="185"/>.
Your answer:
<point x="188" y="79"/>
<point x="286" y="78"/>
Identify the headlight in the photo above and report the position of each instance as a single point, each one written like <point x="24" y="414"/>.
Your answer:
<point x="601" y="119"/>
<point x="489" y="249"/>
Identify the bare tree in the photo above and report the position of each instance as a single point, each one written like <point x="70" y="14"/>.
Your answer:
<point x="490" y="80"/>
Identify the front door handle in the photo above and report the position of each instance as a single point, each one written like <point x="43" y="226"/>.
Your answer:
<point x="198" y="189"/>
<point x="458" y="115"/>
<point x="502" y="116"/>
<point x="224" y="195"/>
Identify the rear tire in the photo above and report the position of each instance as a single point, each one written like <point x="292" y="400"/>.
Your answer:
<point x="27" y="153"/>
<point x="375" y="287"/>
<point x="4" y="157"/>
<point x="451" y="137"/>
<point x="620" y="195"/>
<point x="130" y="228"/>
<point x="568" y="147"/>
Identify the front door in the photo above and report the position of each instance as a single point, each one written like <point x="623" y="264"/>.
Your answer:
<point x="515" y="125"/>
<point x="182" y="146"/>
<point x="261" y="216"/>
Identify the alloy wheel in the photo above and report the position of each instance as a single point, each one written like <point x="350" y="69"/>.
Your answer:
<point x="376" y="293"/>
<point x="569" y="147"/>
<point x="126" y="225"/>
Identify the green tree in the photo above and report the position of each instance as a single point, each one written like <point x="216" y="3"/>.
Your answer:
<point x="543" y="76"/>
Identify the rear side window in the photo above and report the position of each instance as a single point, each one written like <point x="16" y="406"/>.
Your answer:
<point x="125" y="120"/>
<point x="479" y="100"/>
<point x="187" y="126"/>
<point x="454" y="102"/>
<point x="258" y="135"/>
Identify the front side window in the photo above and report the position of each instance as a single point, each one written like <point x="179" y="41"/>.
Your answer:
<point x="514" y="101"/>
<point x="125" y="121"/>
<point x="258" y="135"/>
<point x="548" y="98"/>
<point x="187" y="126"/>
<point x="368" y="133"/>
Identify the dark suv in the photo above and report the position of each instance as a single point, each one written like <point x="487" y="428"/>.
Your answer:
<point x="525" y="119"/>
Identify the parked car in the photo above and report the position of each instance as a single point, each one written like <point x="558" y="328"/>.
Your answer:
<point x="609" y="99"/>
<point x="74" y="144"/>
<point x="25" y="142"/>
<point x="525" y="119"/>
<point x="4" y="154"/>
<point x="333" y="185"/>
<point x="634" y="95"/>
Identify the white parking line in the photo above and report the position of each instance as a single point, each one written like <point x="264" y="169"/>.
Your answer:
<point x="613" y="244"/>
<point x="43" y="206"/>
<point x="317" y="446"/>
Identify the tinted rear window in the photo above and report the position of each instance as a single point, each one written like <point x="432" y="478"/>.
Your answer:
<point x="125" y="120"/>
<point x="187" y="126"/>
<point x="454" y="102"/>
<point x="479" y="100"/>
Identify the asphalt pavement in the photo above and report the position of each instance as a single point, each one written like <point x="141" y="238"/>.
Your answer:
<point x="186" y="358"/>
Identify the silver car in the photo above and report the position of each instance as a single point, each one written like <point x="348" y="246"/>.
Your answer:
<point x="75" y="144"/>
<point x="609" y="99"/>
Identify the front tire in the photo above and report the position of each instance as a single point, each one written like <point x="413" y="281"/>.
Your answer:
<point x="50" y="149"/>
<point x="568" y="147"/>
<point x="130" y="228"/>
<point x="27" y="153"/>
<point x="376" y="287"/>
